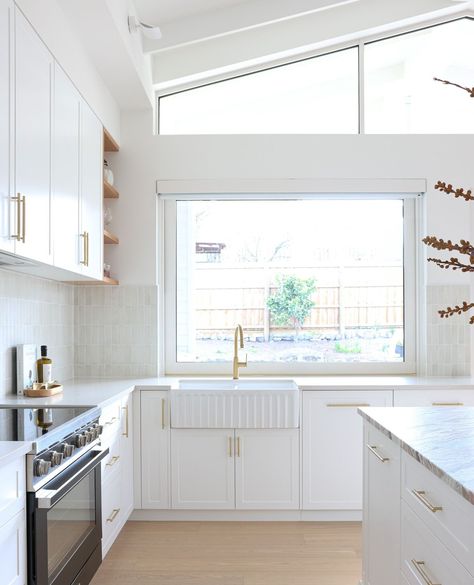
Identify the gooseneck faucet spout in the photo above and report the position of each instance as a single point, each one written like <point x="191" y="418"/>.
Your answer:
<point x="238" y="337"/>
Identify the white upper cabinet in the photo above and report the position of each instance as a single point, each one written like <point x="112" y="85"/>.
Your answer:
<point x="91" y="207"/>
<point x="6" y="242"/>
<point x="33" y="77"/>
<point x="65" y="175"/>
<point x="332" y="447"/>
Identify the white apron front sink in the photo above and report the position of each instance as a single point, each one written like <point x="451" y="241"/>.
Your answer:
<point x="237" y="404"/>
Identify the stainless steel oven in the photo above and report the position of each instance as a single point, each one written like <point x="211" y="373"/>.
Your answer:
<point x="64" y="524"/>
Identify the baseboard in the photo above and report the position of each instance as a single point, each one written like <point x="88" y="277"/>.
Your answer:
<point x="247" y="515"/>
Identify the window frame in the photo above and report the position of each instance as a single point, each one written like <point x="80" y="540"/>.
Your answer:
<point x="326" y="49"/>
<point x="412" y="210"/>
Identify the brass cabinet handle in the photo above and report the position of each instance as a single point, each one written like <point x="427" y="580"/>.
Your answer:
<point x="163" y="404"/>
<point x="348" y="405"/>
<point x="237" y="446"/>
<point x="23" y="229"/>
<point x="447" y="404"/>
<point x="421" y="495"/>
<point x="113" y="461"/>
<point x="125" y="433"/>
<point x="373" y="449"/>
<point x="112" y="516"/>
<point x="84" y="249"/>
<point x="230" y="446"/>
<point x="87" y="248"/>
<point x="420" y="567"/>
<point x="17" y="200"/>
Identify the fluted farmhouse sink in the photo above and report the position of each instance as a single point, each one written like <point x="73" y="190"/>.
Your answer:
<point x="238" y="404"/>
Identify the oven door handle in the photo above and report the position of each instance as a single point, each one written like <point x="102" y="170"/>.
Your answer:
<point x="47" y="498"/>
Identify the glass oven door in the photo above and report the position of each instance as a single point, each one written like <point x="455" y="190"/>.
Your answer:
<point x="65" y="522"/>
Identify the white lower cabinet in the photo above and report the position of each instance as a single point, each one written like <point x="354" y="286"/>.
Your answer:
<point x="13" y="550"/>
<point x="117" y="469"/>
<point x="202" y="472"/>
<point x="332" y="447"/>
<point x="267" y="469"/>
<point x="226" y="469"/>
<point x="155" y="449"/>
<point x="381" y="525"/>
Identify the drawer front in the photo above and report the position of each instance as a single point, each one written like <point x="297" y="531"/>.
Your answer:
<point x="446" y="513"/>
<point x="12" y="489"/>
<point x="425" y="561"/>
<point x="113" y="460"/>
<point x="413" y="397"/>
<point x="111" y="511"/>
<point x="110" y="420"/>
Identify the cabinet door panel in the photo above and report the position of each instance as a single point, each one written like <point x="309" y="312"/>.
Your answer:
<point x="332" y="447"/>
<point x="381" y="525"/>
<point x="155" y="445"/>
<point x="202" y="472"/>
<point x="13" y="550"/>
<point x="267" y="469"/>
<point x="65" y="175"/>
<point x="6" y="206"/>
<point x="91" y="209"/>
<point x="33" y="72"/>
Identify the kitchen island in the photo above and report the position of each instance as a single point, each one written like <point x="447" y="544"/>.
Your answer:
<point x="418" y="495"/>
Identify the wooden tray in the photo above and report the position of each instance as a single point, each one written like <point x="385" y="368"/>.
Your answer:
<point x="44" y="392"/>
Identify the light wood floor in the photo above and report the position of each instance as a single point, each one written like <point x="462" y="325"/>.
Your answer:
<point x="234" y="553"/>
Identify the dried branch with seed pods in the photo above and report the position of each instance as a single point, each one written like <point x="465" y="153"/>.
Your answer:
<point x="464" y="247"/>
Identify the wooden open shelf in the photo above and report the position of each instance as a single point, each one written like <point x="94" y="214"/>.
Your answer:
<point x="105" y="280"/>
<point x="109" y="143"/>
<point x="110" y="238"/>
<point x="110" y="192"/>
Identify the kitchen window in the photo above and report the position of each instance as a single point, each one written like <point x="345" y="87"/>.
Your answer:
<point x="379" y="85"/>
<point x="319" y="285"/>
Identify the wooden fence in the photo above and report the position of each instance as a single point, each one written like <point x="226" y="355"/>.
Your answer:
<point x="345" y="297"/>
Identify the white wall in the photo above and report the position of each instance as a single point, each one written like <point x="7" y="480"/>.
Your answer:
<point x="54" y="28"/>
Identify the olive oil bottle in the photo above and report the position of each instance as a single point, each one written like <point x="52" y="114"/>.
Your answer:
<point x="44" y="366"/>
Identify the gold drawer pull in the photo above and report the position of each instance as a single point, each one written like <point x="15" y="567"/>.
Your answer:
<point x="421" y="495"/>
<point x="347" y="405"/>
<point x="113" y="461"/>
<point x="125" y="433"/>
<point x="163" y="404"/>
<point x="230" y="446"/>
<point x="447" y="404"/>
<point x="18" y="235"/>
<point x="237" y="447"/>
<point x="112" y="516"/>
<point x="420" y="567"/>
<point x="373" y="449"/>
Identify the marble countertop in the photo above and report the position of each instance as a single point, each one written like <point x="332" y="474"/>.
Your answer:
<point x="10" y="450"/>
<point x="101" y="392"/>
<point x="441" y="439"/>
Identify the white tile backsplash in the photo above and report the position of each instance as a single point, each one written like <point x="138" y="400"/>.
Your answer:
<point x="116" y="331"/>
<point x="34" y="310"/>
<point x="447" y="340"/>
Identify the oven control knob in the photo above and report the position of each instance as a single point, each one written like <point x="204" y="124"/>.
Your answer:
<point x="41" y="467"/>
<point x="56" y="458"/>
<point x="89" y="433"/>
<point x="80" y="440"/>
<point x="67" y="449"/>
